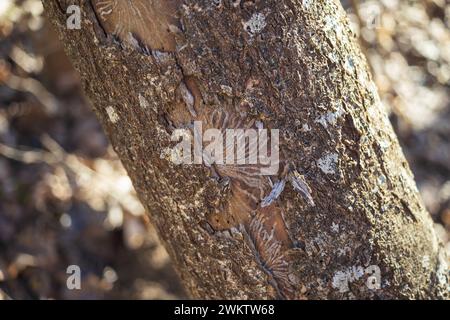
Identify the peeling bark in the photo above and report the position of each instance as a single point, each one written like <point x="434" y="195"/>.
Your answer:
<point x="341" y="219"/>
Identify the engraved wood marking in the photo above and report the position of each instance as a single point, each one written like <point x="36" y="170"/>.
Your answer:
<point x="146" y="23"/>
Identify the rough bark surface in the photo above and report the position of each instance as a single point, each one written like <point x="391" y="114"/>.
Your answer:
<point x="348" y="202"/>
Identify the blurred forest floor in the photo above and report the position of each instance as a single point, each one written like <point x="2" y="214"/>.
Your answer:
<point x="65" y="198"/>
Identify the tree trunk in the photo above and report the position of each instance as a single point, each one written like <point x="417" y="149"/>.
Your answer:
<point x="341" y="218"/>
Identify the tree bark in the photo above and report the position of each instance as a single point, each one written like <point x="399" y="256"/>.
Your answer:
<point x="344" y="218"/>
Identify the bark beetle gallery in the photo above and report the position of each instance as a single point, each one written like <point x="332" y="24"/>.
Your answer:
<point x="343" y="198"/>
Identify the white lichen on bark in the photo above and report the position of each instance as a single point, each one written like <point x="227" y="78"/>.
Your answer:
<point x="328" y="163"/>
<point x="112" y="114"/>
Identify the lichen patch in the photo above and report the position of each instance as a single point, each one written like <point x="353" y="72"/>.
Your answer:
<point x="256" y="23"/>
<point x="341" y="279"/>
<point x="330" y="118"/>
<point x="112" y="114"/>
<point x="328" y="163"/>
<point x="143" y="102"/>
